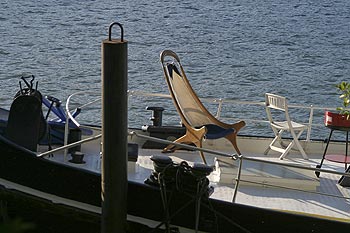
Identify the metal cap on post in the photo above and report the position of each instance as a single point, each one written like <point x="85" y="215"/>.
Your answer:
<point x="114" y="133"/>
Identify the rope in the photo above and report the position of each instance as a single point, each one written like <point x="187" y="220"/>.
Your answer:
<point x="194" y="186"/>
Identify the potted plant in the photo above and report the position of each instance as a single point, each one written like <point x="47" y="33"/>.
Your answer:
<point x="342" y="117"/>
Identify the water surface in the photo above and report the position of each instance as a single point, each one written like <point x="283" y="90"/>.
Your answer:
<point x="230" y="49"/>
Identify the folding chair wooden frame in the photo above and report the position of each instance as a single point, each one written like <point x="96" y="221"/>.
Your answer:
<point x="199" y="122"/>
<point x="277" y="102"/>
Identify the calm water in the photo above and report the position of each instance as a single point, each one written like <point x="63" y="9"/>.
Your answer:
<point x="230" y="49"/>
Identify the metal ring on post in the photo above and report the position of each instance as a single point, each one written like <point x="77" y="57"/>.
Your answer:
<point x="110" y="31"/>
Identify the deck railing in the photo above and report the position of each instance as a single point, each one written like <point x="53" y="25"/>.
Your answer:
<point x="218" y="110"/>
<point x="243" y="159"/>
<point x="220" y="102"/>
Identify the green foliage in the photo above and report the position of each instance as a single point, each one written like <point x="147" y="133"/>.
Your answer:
<point x="344" y="89"/>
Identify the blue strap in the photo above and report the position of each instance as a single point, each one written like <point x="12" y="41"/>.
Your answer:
<point x="215" y="131"/>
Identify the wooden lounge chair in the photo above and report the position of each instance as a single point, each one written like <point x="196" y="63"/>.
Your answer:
<point x="199" y="122"/>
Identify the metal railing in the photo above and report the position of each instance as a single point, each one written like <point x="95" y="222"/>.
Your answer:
<point x="221" y="102"/>
<point x="70" y="118"/>
<point x="242" y="159"/>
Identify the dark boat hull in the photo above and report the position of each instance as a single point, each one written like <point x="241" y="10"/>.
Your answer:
<point x="24" y="168"/>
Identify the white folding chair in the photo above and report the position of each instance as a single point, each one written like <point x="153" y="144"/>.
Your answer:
<point x="279" y="103"/>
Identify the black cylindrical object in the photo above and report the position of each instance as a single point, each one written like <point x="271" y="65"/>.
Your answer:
<point x="74" y="136"/>
<point x="157" y="115"/>
<point x="114" y="134"/>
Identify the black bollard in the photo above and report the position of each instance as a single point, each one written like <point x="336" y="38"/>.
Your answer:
<point x="114" y="134"/>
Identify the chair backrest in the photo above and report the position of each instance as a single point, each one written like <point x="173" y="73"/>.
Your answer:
<point x="276" y="102"/>
<point x="26" y="124"/>
<point x="191" y="110"/>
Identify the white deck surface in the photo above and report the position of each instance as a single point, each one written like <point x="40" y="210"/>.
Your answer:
<point x="334" y="205"/>
<point x="307" y="201"/>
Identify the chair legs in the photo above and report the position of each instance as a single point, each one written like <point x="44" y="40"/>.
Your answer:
<point x="277" y="138"/>
<point x="233" y="139"/>
<point x="233" y="136"/>
<point x="297" y="143"/>
<point x="285" y="151"/>
<point x="194" y="136"/>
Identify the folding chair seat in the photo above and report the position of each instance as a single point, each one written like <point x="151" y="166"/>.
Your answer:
<point x="277" y="104"/>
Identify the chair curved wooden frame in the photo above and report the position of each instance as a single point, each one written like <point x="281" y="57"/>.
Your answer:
<point x="199" y="122"/>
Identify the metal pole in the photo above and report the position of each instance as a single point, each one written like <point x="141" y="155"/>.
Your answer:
<point x="114" y="134"/>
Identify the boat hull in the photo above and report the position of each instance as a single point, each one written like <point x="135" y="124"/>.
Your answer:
<point x="55" y="186"/>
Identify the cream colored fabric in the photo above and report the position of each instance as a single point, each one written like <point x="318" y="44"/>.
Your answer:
<point x="190" y="108"/>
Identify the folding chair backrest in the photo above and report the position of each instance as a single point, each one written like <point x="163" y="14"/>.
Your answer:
<point x="276" y="102"/>
<point x="191" y="109"/>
